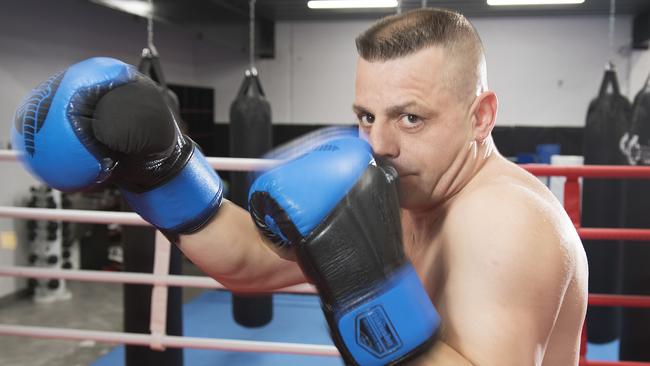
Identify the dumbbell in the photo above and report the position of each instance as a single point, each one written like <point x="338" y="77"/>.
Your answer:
<point x="53" y="284"/>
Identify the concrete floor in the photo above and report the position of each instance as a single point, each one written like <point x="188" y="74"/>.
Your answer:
<point x="94" y="306"/>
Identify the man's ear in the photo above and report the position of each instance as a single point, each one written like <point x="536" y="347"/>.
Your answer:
<point x="484" y="114"/>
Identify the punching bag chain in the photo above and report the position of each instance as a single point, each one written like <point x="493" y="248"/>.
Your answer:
<point x="612" y="23"/>
<point x="150" y="44"/>
<point x="399" y="6"/>
<point x="424" y="3"/>
<point x="251" y="37"/>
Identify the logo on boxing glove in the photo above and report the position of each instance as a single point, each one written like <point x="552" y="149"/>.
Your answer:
<point x="32" y="112"/>
<point x="375" y="332"/>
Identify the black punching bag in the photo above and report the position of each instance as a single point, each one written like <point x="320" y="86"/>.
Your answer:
<point x="250" y="137"/>
<point x="607" y="120"/>
<point x="139" y="250"/>
<point x="635" y="331"/>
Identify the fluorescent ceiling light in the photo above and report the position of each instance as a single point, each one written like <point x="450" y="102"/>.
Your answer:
<point x="351" y="4"/>
<point x="135" y="7"/>
<point x="532" y="2"/>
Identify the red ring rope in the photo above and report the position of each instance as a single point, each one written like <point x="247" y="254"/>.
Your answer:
<point x="572" y="206"/>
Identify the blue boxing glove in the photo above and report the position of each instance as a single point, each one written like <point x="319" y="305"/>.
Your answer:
<point x="339" y="211"/>
<point x="101" y="120"/>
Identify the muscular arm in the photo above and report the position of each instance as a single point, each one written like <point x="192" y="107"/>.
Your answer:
<point x="508" y="271"/>
<point x="441" y="354"/>
<point x="231" y="250"/>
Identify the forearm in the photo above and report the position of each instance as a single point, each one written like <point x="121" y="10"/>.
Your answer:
<point x="231" y="250"/>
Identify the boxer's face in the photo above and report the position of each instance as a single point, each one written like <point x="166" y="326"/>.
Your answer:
<point x="408" y="111"/>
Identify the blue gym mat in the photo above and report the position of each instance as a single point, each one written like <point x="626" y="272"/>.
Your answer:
<point x="296" y="319"/>
<point x="603" y="352"/>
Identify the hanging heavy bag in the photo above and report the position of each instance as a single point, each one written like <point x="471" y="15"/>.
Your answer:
<point x="607" y="119"/>
<point x="635" y="337"/>
<point x="140" y="258"/>
<point x="250" y="137"/>
<point x="150" y="66"/>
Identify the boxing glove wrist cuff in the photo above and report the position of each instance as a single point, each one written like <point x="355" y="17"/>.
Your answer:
<point x="184" y="203"/>
<point x="391" y="325"/>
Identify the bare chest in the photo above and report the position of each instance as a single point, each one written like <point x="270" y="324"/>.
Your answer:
<point x="427" y="256"/>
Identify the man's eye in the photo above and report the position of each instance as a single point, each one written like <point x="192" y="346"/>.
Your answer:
<point x="410" y="119"/>
<point x="366" y="118"/>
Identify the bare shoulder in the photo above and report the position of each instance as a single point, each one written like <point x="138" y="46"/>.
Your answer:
<point x="515" y="214"/>
<point x="512" y="253"/>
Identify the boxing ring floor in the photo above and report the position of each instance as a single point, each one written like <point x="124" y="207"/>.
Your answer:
<point x="297" y="318"/>
<point x="103" y="299"/>
<point x="201" y="310"/>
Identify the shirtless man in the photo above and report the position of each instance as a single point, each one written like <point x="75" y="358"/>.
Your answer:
<point x="493" y="249"/>
<point x="499" y="256"/>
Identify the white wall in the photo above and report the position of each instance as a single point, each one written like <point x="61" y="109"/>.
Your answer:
<point x="544" y="69"/>
<point x="639" y="70"/>
<point x="38" y="38"/>
<point x="310" y="80"/>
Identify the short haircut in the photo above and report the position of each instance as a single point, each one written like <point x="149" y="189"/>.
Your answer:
<point x="406" y="33"/>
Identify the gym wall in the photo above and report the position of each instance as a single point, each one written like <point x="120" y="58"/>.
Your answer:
<point x="639" y="71"/>
<point x="544" y="69"/>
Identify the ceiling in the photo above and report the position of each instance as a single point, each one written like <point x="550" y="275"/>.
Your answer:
<point x="297" y="9"/>
<point x="197" y="12"/>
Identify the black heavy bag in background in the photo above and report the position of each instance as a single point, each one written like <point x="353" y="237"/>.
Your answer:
<point x="250" y="137"/>
<point x="607" y="120"/>
<point x="139" y="250"/>
<point x="150" y="66"/>
<point x="635" y="331"/>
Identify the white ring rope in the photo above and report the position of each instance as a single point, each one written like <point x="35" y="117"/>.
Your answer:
<point x="228" y="164"/>
<point x="169" y="341"/>
<point x="132" y="278"/>
<point x="87" y="216"/>
<point x="8" y="155"/>
<point x="159" y="291"/>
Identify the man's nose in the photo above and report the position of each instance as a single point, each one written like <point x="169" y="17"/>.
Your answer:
<point x="384" y="140"/>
